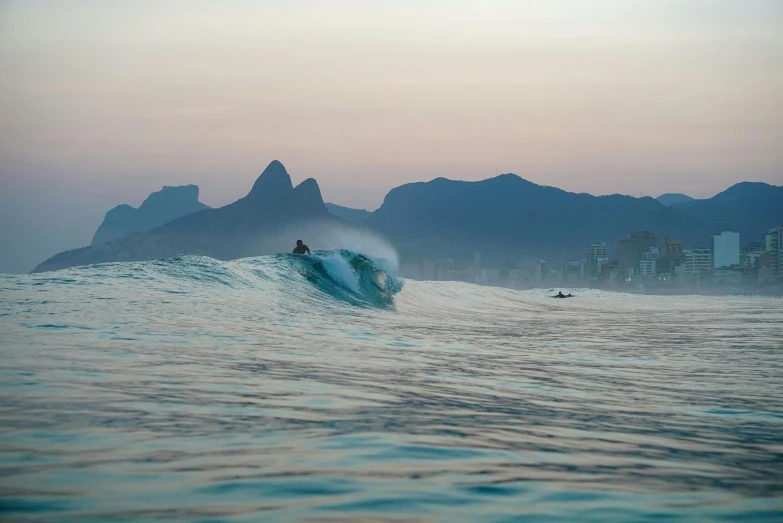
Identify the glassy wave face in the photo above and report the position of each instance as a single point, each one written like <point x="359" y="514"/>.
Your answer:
<point x="319" y="388"/>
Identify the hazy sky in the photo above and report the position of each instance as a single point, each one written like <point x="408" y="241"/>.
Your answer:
<point x="102" y="102"/>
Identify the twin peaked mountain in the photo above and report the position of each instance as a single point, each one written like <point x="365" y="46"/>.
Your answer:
<point x="506" y="218"/>
<point x="268" y="220"/>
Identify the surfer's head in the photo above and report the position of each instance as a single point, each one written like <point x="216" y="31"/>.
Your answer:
<point x="299" y="242"/>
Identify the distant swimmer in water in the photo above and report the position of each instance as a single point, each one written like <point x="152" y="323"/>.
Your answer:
<point x="301" y="248"/>
<point x="561" y="295"/>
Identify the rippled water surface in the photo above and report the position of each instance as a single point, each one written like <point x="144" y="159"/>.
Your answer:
<point x="280" y="390"/>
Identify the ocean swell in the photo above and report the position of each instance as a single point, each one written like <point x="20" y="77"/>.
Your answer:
<point x="355" y="278"/>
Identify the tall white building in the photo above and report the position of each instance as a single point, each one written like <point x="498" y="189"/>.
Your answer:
<point x="594" y="252"/>
<point x="697" y="261"/>
<point x="725" y="249"/>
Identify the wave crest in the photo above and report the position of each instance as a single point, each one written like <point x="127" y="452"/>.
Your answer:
<point x="351" y="277"/>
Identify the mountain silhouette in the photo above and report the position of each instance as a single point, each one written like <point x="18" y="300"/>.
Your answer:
<point x="673" y="198"/>
<point x="268" y="220"/>
<point x="160" y="207"/>
<point x="356" y="216"/>
<point x="749" y="208"/>
<point x="508" y="217"/>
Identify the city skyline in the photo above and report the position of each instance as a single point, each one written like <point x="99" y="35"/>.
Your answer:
<point x="636" y="263"/>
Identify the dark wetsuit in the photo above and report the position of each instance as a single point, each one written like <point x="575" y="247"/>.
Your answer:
<point x="302" y="249"/>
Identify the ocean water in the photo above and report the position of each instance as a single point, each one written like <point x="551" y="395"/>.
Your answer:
<point x="289" y="388"/>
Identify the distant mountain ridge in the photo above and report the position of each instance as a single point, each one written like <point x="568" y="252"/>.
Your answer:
<point x="508" y="217"/>
<point x="670" y="199"/>
<point x="268" y="220"/>
<point x="160" y="207"/>
<point x="356" y="216"/>
<point x="749" y="208"/>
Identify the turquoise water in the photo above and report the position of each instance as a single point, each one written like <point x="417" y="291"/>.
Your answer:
<point x="322" y="389"/>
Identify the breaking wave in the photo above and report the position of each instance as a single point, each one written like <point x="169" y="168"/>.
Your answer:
<point x="355" y="278"/>
<point x="350" y="276"/>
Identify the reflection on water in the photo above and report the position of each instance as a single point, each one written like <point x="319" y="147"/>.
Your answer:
<point x="129" y="392"/>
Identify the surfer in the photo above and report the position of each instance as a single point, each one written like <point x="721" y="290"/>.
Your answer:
<point x="301" y="248"/>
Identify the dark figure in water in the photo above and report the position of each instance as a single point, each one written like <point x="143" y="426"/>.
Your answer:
<point x="301" y="248"/>
<point x="560" y="295"/>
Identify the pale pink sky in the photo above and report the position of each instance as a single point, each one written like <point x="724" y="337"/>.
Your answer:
<point x="102" y="103"/>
